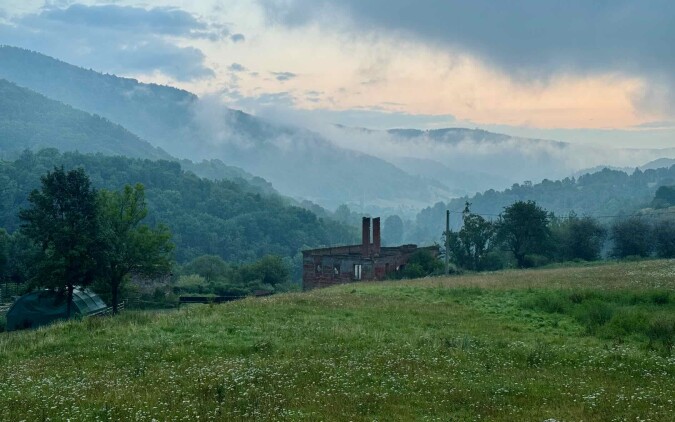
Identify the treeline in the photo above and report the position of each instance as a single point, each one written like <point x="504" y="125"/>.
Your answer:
<point x="527" y="235"/>
<point x="223" y="218"/>
<point x="603" y="194"/>
<point x="73" y="235"/>
<point x="211" y="275"/>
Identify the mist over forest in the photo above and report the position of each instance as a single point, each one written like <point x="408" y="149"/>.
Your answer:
<point x="399" y="171"/>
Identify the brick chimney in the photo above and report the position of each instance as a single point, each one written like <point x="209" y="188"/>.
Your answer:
<point x="377" y="243"/>
<point x="365" y="237"/>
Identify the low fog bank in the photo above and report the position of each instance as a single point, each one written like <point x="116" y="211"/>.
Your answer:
<point x="397" y="171"/>
<point x="471" y="160"/>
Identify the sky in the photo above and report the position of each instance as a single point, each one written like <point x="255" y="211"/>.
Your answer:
<point x="595" y="72"/>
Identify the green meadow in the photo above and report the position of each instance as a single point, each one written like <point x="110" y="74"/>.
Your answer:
<point x="566" y="344"/>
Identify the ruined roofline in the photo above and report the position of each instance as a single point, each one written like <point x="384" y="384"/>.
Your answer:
<point x="356" y="249"/>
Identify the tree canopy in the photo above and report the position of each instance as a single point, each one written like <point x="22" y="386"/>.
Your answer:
<point x="223" y="218"/>
<point x="62" y="222"/>
<point x="524" y="230"/>
<point x="470" y="246"/>
<point x="126" y="245"/>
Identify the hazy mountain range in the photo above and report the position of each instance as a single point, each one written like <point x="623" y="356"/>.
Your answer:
<point x="397" y="170"/>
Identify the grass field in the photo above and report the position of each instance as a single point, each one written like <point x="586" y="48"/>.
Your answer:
<point x="570" y="344"/>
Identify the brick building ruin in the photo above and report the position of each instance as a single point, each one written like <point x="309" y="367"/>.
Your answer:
<point x="367" y="261"/>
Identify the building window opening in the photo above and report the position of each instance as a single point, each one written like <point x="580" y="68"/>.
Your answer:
<point x="357" y="271"/>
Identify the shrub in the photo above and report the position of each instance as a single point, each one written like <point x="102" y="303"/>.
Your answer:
<point x="192" y="283"/>
<point x="533" y="261"/>
<point x="494" y="261"/>
<point x="594" y="313"/>
<point x="551" y="302"/>
<point x="626" y="322"/>
<point x="662" y="330"/>
<point x="631" y="237"/>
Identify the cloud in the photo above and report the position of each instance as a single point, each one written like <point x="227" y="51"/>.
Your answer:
<point x="529" y="39"/>
<point x="264" y="104"/>
<point x="116" y="39"/>
<point x="160" y="20"/>
<point x="235" y="38"/>
<point x="236" y="67"/>
<point x="284" y="76"/>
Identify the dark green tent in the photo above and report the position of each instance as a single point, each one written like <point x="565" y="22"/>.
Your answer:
<point x="44" y="306"/>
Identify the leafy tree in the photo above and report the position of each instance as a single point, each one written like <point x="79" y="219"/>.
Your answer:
<point x="21" y="253"/>
<point x="5" y="239"/>
<point x="474" y="240"/>
<point x="579" y="238"/>
<point x="209" y="267"/>
<point x="125" y="244"/>
<point x="62" y="222"/>
<point x="664" y="197"/>
<point x="422" y="263"/>
<point x="632" y="237"/>
<point x="664" y="236"/>
<point x="524" y="229"/>
<point x="270" y="270"/>
<point x="392" y="231"/>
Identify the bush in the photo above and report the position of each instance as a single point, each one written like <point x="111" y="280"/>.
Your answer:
<point x="229" y="290"/>
<point x="631" y="237"/>
<point x="664" y="236"/>
<point x="626" y="322"/>
<point x="660" y="298"/>
<point x="494" y="261"/>
<point x="192" y="283"/>
<point x="662" y="330"/>
<point x="594" y="313"/>
<point x="551" y="302"/>
<point x="421" y="264"/>
<point x="533" y="261"/>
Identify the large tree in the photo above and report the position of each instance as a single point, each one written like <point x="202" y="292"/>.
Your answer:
<point x="579" y="238"/>
<point x="126" y="245"/>
<point x="62" y="222"/>
<point x="632" y="237"/>
<point x="524" y="229"/>
<point x="664" y="237"/>
<point x="473" y="241"/>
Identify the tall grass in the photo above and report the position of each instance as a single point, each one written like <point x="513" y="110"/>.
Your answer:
<point x="514" y="345"/>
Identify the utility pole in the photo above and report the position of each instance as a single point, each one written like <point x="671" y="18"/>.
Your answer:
<point x="447" y="242"/>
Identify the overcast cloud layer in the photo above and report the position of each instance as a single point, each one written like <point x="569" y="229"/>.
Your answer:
<point x="118" y="39"/>
<point x="567" y="70"/>
<point x="526" y="38"/>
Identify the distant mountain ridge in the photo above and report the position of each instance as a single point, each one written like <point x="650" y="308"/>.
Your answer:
<point x="32" y="121"/>
<point x="397" y="169"/>
<point x="29" y="120"/>
<point x="148" y="110"/>
<point x="298" y="162"/>
<point x="468" y="161"/>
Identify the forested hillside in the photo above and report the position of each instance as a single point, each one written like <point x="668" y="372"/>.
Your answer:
<point x="221" y="218"/>
<point x="30" y="120"/>
<point x="603" y="194"/>
<point x="144" y="109"/>
<point x="299" y="163"/>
